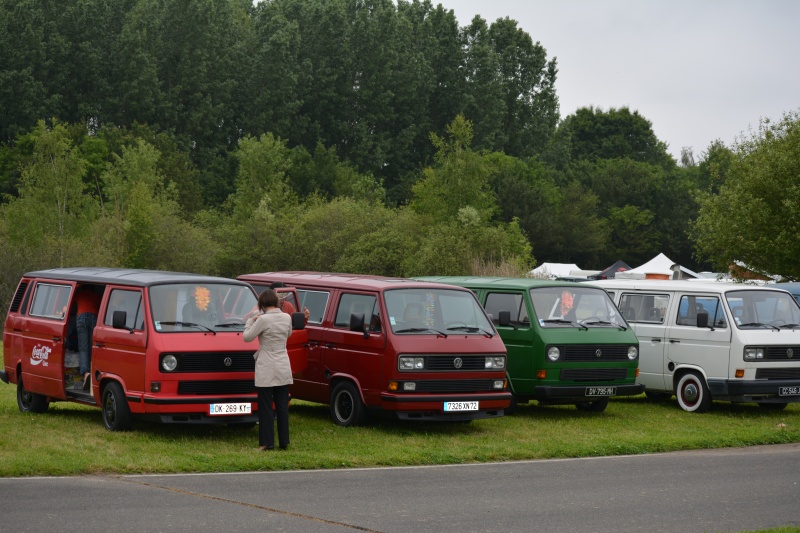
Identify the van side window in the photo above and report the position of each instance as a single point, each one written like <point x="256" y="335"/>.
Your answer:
<point x="355" y="304"/>
<point x="690" y="305"/>
<point x="128" y="301"/>
<point x="504" y="301"/>
<point x="316" y="302"/>
<point x="646" y="308"/>
<point x="51" y="301"/>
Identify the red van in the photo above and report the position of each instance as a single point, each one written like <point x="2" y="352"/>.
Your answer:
<point x="423" y="351"/>
<point x="167" y="346"/>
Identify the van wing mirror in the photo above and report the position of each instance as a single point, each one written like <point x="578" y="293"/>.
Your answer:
<point x="504" y="318"/>
<point x="702" y="319"/>
<point x="119" y="319"/>
<point x="357" y="323"/>
<point x="298" y="321"/>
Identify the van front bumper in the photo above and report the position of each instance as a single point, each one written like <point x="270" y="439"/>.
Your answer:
<point x="4" y="376"/>
<point x="431" y="406"/>
<point x="547" y="392"/>
<point x="754" y="390"/>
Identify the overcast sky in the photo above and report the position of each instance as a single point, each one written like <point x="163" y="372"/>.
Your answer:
<point x="698" y="70"/>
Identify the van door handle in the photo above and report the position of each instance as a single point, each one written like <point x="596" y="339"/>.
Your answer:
<point x="330" y="345"/>
<point x="673" y="341"/>
<point x="99" y="345"/>
<point x="313" y="344"/>
<point x="56" y="339"/>
<point x="655" y="340"/>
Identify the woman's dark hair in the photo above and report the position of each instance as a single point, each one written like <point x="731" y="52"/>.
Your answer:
<point x="268" y="298"/>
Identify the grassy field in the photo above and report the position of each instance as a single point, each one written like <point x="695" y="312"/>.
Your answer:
<point x="70" y="439"/>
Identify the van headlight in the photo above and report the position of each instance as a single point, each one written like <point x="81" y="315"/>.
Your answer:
<point x="493" y="361"/>
<point x="169" y="362"/>
<point x="553" y="353"/>
<point x="409" y="364"/>
<point x="633" y="352"/>
<point x="753" y="353"/>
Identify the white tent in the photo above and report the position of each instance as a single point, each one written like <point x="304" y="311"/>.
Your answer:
<point x="659" y="267"/>
<point x="553" y="270"/>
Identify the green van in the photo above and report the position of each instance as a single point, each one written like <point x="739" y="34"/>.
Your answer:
<point x="567" y="342"/>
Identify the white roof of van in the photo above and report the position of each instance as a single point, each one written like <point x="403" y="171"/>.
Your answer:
<point x="676" y="285"/>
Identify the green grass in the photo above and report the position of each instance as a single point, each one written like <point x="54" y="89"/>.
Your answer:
<point x="70" y="439"/>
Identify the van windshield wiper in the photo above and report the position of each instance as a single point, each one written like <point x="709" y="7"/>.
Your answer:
<point x="471" y="329"/>
<point x="759" y="325"/>
<point x="605" y="323"/>
<point x="562" y="321"/>
<point x="189" y="325"/>
<point x="787" y="326"/>
<point x="420" y="330"/>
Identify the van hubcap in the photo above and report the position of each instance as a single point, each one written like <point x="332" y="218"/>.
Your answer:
<point x="690" y="393"/>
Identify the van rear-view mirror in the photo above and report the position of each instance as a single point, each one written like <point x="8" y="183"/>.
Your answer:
<point x="504" y="318"/>
<point x="702" y="319"/>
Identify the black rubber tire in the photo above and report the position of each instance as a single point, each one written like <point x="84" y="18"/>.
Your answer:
<point x="116" y="412"/>
<point x="692" y="393"/>
<point x="29" y="402"/>
<point x="597" y="406"/>
<point x="347" y="409"/>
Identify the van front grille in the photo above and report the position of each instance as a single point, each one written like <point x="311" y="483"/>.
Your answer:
<point x="577" y="353"/>
<point x="782" y="353"/>
<point x="456" y="385"/>
<point x="216" y="388"/>
<point x="778" y="373"/>
<point x="214" y="362"/>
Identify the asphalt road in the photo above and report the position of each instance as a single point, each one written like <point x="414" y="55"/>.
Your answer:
<point x="737" y="489"/>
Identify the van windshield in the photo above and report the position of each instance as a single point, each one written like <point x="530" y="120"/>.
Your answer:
<point x="576" y="306"/>
<point x="434" y="311"/>
<point x="755" y="309"/>
<point x="193" y="307"/>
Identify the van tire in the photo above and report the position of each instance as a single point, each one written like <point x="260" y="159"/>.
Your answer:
<point x="692" y="393"/>
<point x="347" y="409"/>
<point x="597" y="406"/>
<point x="116" y="412"/>
<point x="30" y="402"/>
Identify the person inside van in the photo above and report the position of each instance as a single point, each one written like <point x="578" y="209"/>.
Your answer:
<point x="88" y="307"/>
<point x="283" y="301"/>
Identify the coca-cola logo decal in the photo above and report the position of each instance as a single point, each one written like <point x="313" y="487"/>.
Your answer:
<point x="40" y="355"/>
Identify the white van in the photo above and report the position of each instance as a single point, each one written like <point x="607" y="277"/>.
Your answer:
<point x="708" y="340"/>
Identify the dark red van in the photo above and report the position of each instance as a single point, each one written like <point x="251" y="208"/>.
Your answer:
<point x="424" y="351"/>
<point x="167" y="346"/>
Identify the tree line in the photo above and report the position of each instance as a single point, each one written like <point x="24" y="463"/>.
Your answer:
<point x="224" y="137"/>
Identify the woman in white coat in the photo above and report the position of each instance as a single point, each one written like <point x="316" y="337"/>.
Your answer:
<point x="273" y="370"/>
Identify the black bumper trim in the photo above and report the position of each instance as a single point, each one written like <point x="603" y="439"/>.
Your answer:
<point x="504" y="396"/>
<point x="548" y="392"/>
<point x="193" y="401"/>
<point x="4" y="376"/>
<point x="739" y="388"/>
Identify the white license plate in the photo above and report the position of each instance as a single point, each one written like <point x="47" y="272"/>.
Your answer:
<point x="789" y="391"/>
<point x="230" y="408"/>
<point x="601" y="391"/>
<point x="460" y="406"/>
